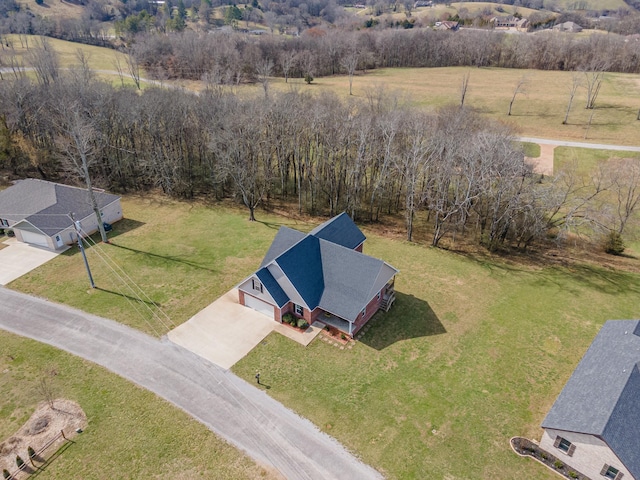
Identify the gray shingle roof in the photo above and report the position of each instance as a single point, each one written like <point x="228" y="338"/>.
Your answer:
<point x="46" y="205"/>
<point x="285" y="239"/>
<point x="324" y="268"/>
<point x="602" y="397"/>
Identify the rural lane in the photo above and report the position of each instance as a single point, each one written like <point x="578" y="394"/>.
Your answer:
<point x="237" y="411"/>
<point x="564" y="143"/>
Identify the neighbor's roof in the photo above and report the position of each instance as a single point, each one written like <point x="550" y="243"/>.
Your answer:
<point x="46" y="205"/>
<point x="602" y="397"/>
<point x="324" y="268"/>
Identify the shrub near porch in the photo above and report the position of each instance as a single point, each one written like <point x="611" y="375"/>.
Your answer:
<point x="474" y="351"/>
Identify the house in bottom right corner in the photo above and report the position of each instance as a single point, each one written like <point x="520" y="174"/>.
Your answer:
<point x="594" y="425"/>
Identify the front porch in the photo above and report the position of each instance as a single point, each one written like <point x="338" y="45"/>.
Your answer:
<point x="335" y="322"/>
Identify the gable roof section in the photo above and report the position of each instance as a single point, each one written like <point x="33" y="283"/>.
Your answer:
<point x="341" y="230"/>
<point x="46" y="205"/>
<point x="349" y="279"/>
<point x="303" y="267"/>
<point x="272" y="287"/>
<point x="602" y="396"/>
<point x="322" y="269"/>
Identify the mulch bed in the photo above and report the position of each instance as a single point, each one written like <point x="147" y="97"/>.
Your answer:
<point x="526" y="447"/>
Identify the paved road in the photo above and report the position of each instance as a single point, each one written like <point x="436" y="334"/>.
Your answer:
<point x="243" y="415"/>
<point x="563" y="143"/>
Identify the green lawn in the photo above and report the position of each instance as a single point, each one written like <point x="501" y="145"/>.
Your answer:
<point x="473" y="352"/>
<point x="531" y="150"/>
<point x="183" y="256"/>
<point x="585" y="159"/>
<point x="131" y="433"/>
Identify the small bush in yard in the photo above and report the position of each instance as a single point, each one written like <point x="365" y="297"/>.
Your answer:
<point x="6" y="474"/>
<point x="19" y="461"/>
<point x="573" y="474"/>
<point x="31" y="452"/>
<point x="302" y="323"/>
<point x="614" y="244"/>
<point x="288" y="318"/>
<point x="558" y="464"/>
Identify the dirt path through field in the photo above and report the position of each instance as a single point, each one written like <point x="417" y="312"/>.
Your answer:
<point x="544" y="163"/>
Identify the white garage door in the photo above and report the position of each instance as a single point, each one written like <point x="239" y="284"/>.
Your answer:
<point x="259" y="305"/>
<point x="34" y="238"/>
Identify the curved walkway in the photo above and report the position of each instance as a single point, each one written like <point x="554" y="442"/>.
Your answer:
<point x="243" y="415"/>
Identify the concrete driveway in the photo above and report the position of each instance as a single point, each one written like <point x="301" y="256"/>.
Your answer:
<point x="226" y="331"/>
<point x="18" y="258"/>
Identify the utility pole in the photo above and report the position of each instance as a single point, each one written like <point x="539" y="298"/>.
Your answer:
<point x="77" y="226"/>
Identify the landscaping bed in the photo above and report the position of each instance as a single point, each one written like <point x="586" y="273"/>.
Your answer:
<point x="526" y="447"/>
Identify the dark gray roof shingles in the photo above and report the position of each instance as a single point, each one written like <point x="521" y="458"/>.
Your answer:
<point x="46" y="205"/>
<point x="303" y="266"/>
<point x="285" y="239"/>
<point x="341" y="230"/>
<point x="602" y="397"/>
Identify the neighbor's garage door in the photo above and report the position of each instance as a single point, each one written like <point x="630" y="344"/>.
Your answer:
<point x="34" y="238"/>
<point x="259" y="305"/>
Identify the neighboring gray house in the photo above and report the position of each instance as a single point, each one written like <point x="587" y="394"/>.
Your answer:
<point x="38" y="212"/>
<point x="322" y="275"/>
<point x="594" y="425"/>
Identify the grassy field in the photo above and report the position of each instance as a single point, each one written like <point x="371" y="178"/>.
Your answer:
<point x="131" y="432"/>
<point x="585" y="159"/>
<point x="183" y="262"/>
<point x="474" y="351"/>
<point x="537" y="112"/>
<point x="591" y="4"/>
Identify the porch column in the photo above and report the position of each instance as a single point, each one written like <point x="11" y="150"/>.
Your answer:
<point x="350" y="329"/>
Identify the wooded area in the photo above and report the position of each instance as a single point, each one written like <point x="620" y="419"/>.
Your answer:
<point x="370" y="158"/>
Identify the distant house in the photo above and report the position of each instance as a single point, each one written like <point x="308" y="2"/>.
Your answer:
<point x="321" y="276"/>
<point x="447" y="25"/>
<point x="570" y="27"/>
<point x="38" y="212"/>
<point x="594" y="425"/>
<point x="510" y="23"/>
<point x="423" y="3"/>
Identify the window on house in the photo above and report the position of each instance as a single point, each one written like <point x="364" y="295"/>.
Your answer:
<point x="257" y="285"/>
<point x="564" y="445"/>
<point x="611" y="472"/>
<point x="364" y="311"/>
<point x="379" y="295"/>
<point x="4" y="223"/>
<point x="298" y="309"/>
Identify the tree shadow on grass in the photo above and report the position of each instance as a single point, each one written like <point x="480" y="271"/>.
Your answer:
<point x="408" y="318"/>
<point x="168" y="258"/>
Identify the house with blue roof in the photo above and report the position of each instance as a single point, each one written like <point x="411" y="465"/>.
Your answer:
<point x="322" y="275"/>
<point x="594" y="424"/>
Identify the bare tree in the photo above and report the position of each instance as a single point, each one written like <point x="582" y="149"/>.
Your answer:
<point x="133" y="67"/>
<point x="44" y="61"/>
<point x="520" y="88"/>
<point x="464" y="87"/>
<point x="264" y="70"/>
<point x="350" y="63"/>
<point x="117" y="64"/>
<point x="594" y="75"/>
<point x="624" y="177"/>
<point x="575" y="83"/>
<point x="287" y="62"/>
<point x="77" y="140"/>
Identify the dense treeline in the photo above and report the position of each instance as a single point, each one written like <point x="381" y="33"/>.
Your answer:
<point x="461" y="174"/>
<point x="229" y="57"/>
